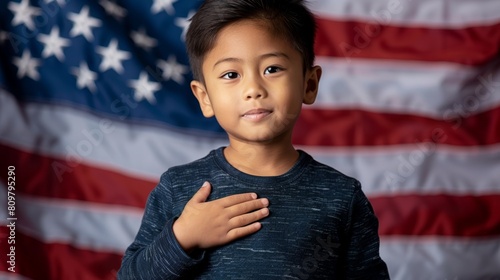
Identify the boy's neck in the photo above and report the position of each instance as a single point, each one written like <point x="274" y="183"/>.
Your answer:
<point x="261" y="159"/>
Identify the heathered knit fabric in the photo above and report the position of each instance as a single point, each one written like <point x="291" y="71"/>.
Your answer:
<point x="321" y="226"/>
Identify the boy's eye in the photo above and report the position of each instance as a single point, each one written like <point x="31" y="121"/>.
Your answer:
<point x="230" y="75"/>
<point x="272" y="69"/>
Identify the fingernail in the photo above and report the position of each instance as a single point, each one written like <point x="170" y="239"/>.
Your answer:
<point x="205" y="184"/>
<point x="265" y="201"/>
<point x="254" y="195"/>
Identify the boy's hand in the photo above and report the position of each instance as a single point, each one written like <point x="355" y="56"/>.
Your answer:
<point x="207" y="224"/>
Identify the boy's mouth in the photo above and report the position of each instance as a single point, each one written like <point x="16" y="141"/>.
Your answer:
<point x="256" y="114"/>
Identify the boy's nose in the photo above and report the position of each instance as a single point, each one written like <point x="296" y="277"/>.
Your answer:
<point x="254" y="90"/>
<point x="253" y="95"/>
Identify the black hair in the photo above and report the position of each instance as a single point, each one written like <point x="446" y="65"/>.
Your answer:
<point x="289" y="19"/>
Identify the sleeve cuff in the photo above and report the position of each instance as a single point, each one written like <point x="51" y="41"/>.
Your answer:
<point x="176" y="254"/>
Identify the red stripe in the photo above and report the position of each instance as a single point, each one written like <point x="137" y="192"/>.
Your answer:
<point x="441" y="215"/>
<point x="319" y="127"/>
<point x="355" y="39"/>
<point x="38" y="260"/>
<point x="36" y="176"/>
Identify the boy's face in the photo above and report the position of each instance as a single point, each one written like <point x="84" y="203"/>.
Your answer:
<point x="254" y="84"/>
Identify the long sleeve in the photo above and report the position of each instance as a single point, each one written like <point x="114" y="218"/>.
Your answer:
<point x="363" y="259"/>
<point x="155" y="252"/>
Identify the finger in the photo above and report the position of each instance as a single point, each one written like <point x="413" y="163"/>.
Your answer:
<point x="247" y="206"/>
<point x="234" y="199"/>
<point x="248" y="218"/>
<point x="243" y="231"/>
<point x="202" y="194"/>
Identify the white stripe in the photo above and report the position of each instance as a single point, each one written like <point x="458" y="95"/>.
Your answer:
<point x="82" y="224"/>
<point x="437" y="90"/>
<point x="422" y="13"/>
<point x="81" y="137"/>
<point x="422" y="168"/>
<point x="421" y="258"/>
<point x="147" y="152"/>
<point x="90" y="226"/>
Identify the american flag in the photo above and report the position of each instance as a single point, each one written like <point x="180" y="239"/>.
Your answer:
<point x="95" y="104"/>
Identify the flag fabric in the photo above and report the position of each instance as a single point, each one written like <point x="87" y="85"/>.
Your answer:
<point x="95" y="105"/>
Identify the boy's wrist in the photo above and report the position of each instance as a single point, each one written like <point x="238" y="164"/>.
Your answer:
<point x="180" y="235"/>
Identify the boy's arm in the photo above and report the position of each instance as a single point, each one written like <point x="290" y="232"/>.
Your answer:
<point x="159" y="250"/>
<point x="155" y="253"/>
<point x="363" y="259"/>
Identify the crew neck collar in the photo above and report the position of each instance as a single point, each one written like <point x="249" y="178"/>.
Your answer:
<point x="291" y="175"/>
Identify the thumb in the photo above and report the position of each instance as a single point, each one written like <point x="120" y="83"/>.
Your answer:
<point x="202" y="194"/>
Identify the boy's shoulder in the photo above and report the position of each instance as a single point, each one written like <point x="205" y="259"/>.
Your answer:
<point x="329" y="176"/>
<point x="190" y="170"/>
<point x="205" y="163"/>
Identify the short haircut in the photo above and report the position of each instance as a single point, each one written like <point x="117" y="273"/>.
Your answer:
<point x="289" y="19"/>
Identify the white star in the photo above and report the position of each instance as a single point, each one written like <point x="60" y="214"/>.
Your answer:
<point x="53" y="44"/>
<point x="144" y="88"/>
<point x="113" y="9"/>
<point x="27" y="66"/>
<point x="142" y="39"/>
<point x="184" y="23"/>
<point x="166" y="5"/>
<point x="173" y="70"/>
<point x="60" y="2"/>
<point x="82" y="23"/>
<point x="23" y="13"/>
<point x="112" y="57"/>
<point x="85" y="77"/>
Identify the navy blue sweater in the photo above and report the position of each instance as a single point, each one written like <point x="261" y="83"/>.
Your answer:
<point x="321" y="226"/>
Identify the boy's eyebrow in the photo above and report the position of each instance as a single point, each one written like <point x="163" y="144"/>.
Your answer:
<point x="275" y="54"/>
<point x="227" y="59"/>
<point x="267" y="55"/>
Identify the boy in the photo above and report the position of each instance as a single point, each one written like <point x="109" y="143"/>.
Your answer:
<point x="252" y="62"/>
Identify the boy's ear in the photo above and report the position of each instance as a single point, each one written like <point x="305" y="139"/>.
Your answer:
<point x="200" y="92"/>
<point x="312" y="84"/>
